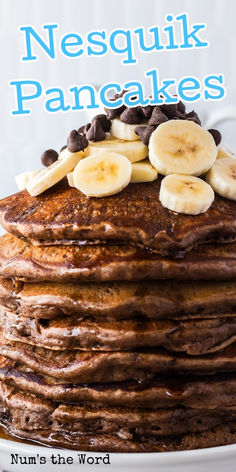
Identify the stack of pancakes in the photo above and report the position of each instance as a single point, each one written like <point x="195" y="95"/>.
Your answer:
<point x="118" y="321"/>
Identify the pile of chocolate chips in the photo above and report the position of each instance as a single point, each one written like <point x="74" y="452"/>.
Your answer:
<point x="155" y="116"/>
<point x="151" y="115"/>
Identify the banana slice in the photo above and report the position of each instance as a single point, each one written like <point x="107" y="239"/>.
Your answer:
<point x="143" y="172"/>
<point x="66" y="153"/>
<point x="222" y="177"/>
<point x="124" y="131"/>
<point x="224" y="152"/>
<point x="102" y="175"/>
<point x="24" y="178"/>
<point x="134" y="151"/>
<point x="70" y="178"/>
<point x="182" y="147"/>
<point x="49" y="176"/>
<point x="186" y="194"/>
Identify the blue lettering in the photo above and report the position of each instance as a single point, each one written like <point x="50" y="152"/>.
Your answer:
<point x="160" y="91"/>
<point x="92" y="94"/>
<point x="211" y="83"/>
<point x="31" y="33"/>
<point x="59" y="98"/>
<point x="21" y="98"/>
<point x="189" y="84"/>
<point x="156" y="44"/>
<point x="103" y="95"/>
<point x="170" y="31"/>
<point x="66" y="43"/>
<point x="101" y="44"/>
<point x="127" y="45"/>
<point x="187" y="35"/>
<point x="138" y="92"/>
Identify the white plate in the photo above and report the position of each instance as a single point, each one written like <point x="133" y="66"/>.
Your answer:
<point x="217" y="459"/>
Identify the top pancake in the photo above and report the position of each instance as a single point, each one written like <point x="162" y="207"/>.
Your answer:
<point x="63" y="215"/>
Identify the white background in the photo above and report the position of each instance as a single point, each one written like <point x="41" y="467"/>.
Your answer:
<point x="23" y="138"/>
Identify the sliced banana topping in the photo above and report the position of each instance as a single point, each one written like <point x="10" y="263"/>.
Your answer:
<point x="24" y="178"/>
<point x="222" y="177"/>
<point x="108" y="155"/>
<point x="49" y="176"/>
<point x="102" y="175"/>
<point x="124" y="130"/>
<point x="66" y="153"/>
<point x="143" y="172"/>
<point x="70" y="178"/>
<point x="186" y="194"/>
<point x="182" y="147"/>
<point x="223" y="151"/>
<point x="134" y="151"/>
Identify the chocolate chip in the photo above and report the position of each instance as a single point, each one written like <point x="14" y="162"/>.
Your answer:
<point x="132" y="116"/>
<point x="144" y="132"/>
<point x="193" y="116"/>
<point x="180" y="115"/>
<point x="147" y="111"/>
<point x="83" y="129"/>
<point x="104" y="122"/>
<point x="49" y="157"/>
<point x="169" y="110"/>
<point x="181" y="107"/>
<point x="76" y="142"/>
<point x="157" y="117"/>
<point x="120" y="95"/>
<point x="216" y="135"/>
<point x="133" y="98"/>
<point x="95" y="132"/>
<point x="63" y="147"/>
<point x="114" y="112"/>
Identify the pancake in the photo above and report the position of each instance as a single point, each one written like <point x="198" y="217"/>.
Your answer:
<point x="195" y="337"/>
<point x="104" y="344"/>
<point x="163" y="391"/>
<point x="100" y="367"/>
<point x="120" y="300"/>
<point x="63" y="215"/>
<point x="30" y="413"/>
<point x="110" y="263"/>
<point x="220" y="435"/>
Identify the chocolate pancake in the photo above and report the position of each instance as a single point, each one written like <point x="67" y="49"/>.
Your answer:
<point x="64" y="215"/>
<point x="100" y="367"/>
<point x="164" y="391"/>
<point x="110" y="263"/>
<point x="218" y="436"/>
<point x="195" y="337"/>
<point x="31" y="413"/>
<point x="120" y="300"/>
